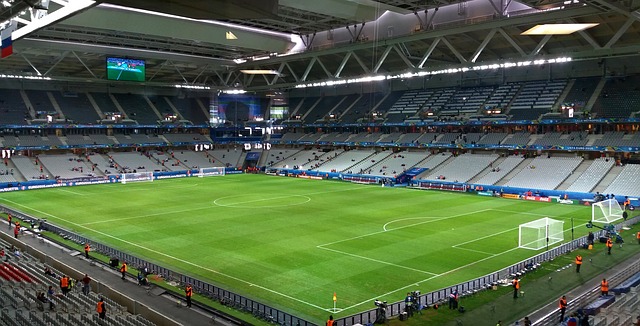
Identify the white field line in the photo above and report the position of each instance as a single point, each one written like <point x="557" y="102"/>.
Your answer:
<point x="473" y="250"/>
<point x="172" y="257"/>
<point x="71" y="192"/>
<point x="239" y="204"/>
<point x="402" y="227"/>
<point x="379" y="261"/>
<point x="196" y="209"/>
<point x="430" y="278"/>
<point x="146" y="215"/>
<point x="522" y="213"/>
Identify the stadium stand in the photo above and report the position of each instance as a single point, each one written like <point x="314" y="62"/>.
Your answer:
<point x="407" y="105"/>
<point x="366" y="165"/>
<point x="27" y="167"/>
<point x="104" y="103"/>
<point x="619" y="98"/>
<point x="492" y="138"/>
<point x="12" y="107"/>
<point x="76" y="107"/>
<point x="581" y="92"/>
<point x="66" y="166"/>
<point x="225" y="157"/>
<point x="137" y="108"/>
<point x="397" y="163"/>
<point x="500" y="170"/>
<point x="190" y="108"/>
<point x="344" y="162"/>
<point x="134" y="161"/>
<point x="362" y="108"/>
<point x="186" y="138"/>
<point x="40" y="101"/>
<point x="535" y="99"/>
<point x="627" y="182"/>
<point x="544" y="172"/>
<point x="466" y="100"/>
<point x="592" y="176"/>
<point x="463" y="167"/>
<point x="320" y="112"/>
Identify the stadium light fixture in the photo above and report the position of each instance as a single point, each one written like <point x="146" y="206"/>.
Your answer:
<point x="260" y="72"/>
<point x="234" y="91"/>
<point x="557" y="29"/>
<point x="192" y="87"/>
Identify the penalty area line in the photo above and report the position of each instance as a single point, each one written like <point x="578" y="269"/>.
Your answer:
<point x="172" y="257"/>
<point x="377" y="261"/>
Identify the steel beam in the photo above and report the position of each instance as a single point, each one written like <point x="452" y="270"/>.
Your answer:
<point x="428" y="53"/>
<point x="483" y="45"/>
<point x="383" y="57"/>
<point x="512" y="42"/>
<point x="455" y="52"/>
<point x="623" y="29"/>
<point x="342" y="64"/>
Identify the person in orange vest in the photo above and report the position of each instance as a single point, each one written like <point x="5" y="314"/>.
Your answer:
<point x="87" y="248"/>
<point x="9" y="217"/>
<point x="64" y="284"/>
<point x="609" y="245"/>
<point x="330" y="322"/>
<point x="516" y="287"/>
<point x="562" y="305"/>
<point x="604" y="287"/>
<point x="627" y="203"/>
<point x="16" y="230"/>
<point x="101" y="309"/>
<point x="123" y="269"/>
<point x="188" y="292"/>
<point x="578" y="263"/>
<point x="638" y="237"/>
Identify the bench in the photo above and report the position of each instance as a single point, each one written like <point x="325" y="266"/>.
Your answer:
<point x="602" y="302"/>
<point x="626" y="286"/>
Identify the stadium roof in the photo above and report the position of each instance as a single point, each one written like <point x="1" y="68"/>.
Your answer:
<point x="187" y="42"/>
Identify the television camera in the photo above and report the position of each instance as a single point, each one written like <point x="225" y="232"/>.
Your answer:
<point x="381" y="311"/>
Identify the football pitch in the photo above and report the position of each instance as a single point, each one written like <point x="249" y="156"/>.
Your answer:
<point x="291" y="243"/>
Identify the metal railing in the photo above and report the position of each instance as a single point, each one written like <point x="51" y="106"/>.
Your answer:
<point x="225" y="297"/>
<point x="277" y="316"/>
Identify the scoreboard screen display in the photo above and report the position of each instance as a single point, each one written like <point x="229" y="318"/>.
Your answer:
<point x="125" y="69"/>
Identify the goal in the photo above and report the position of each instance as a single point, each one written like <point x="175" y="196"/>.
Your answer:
<point x="134" y="177"/>
<point x="606" y="211"/>
<point x="534" y="235"/>
<point x="213" y="171"/>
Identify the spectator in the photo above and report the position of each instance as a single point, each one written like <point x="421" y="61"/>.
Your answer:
<point x="101" y="309"/>
<point x="86" y="284"/>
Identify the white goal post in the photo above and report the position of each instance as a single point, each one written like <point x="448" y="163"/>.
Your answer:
<point x="538" y="234"/>
<point x="606" y="211"/>
<point x="135" y="177"/>
<point x="211" y="171"/>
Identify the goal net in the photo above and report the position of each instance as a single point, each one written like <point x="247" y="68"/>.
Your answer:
<point x="534" y="235"/>
<point x="606" y="211"/>
<point x="213" y="171"/>
<point x="134" y="177"/>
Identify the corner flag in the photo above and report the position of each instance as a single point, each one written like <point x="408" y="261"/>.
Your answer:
<point x="334" y="297"/>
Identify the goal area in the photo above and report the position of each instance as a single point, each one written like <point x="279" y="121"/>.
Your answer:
<point x="541" y="233"/>
<point x="606" y="211"/>
<point x="211" y="171"/>
<point x="135" y="177"/>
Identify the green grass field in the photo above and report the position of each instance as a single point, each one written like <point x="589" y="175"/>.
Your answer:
<point x="292" y="243"/>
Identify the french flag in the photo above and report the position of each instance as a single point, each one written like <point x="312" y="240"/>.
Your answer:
<point x="7" y="41"/>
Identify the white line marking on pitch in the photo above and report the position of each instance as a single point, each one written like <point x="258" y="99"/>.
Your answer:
<point x="146" y="215"/>
<point x="377" y="261"/>
<point x="482" y="238"/>
<point x="72" y="192"/>
<point x="240" y="204"/>
<point x="171" y="257"/>
<point x="522" y="213"/>
<point x="399" y="228"/>
<point x="428" y="279"/>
